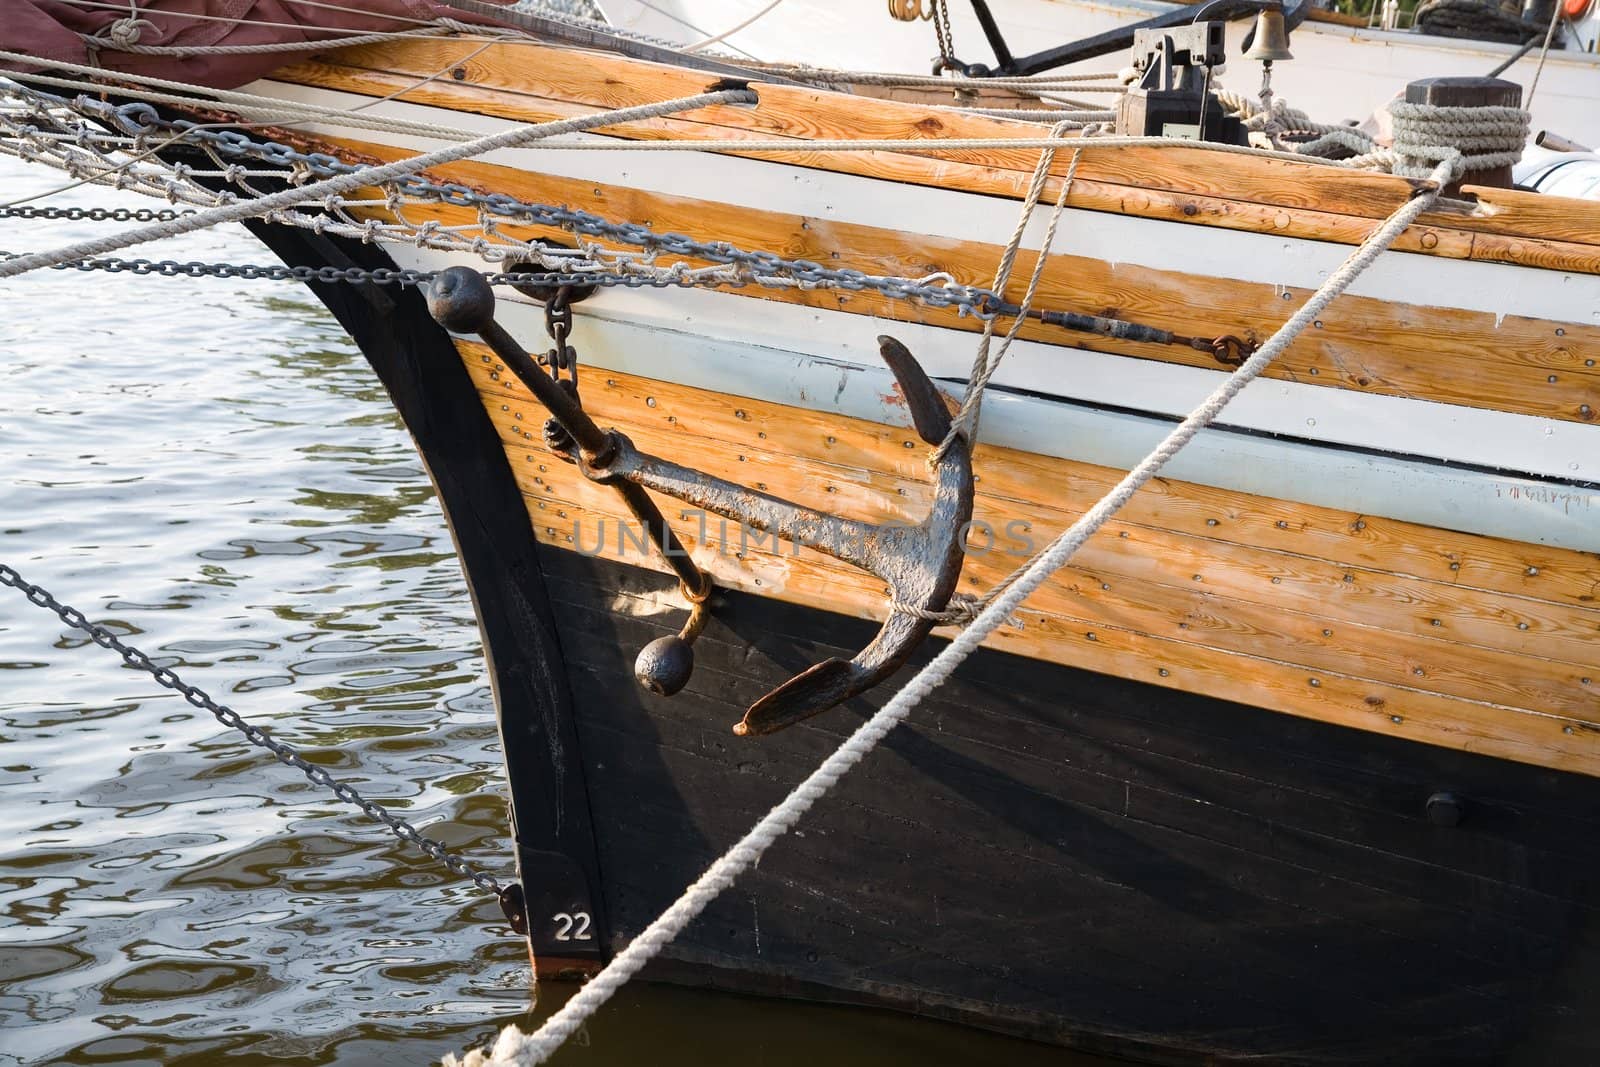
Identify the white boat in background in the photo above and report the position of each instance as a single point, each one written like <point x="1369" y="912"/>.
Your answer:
<point x="1339" y="71"/>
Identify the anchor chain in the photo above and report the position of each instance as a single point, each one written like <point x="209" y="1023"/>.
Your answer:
<point x="141" y="120"/>
<point x="561" y="357"/>
<point x="92" y="214"/>
<point x="172" y="268"/>
<point x="285" y="753"/>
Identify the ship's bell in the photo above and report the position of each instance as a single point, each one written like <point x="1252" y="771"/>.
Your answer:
<point x="1271" y="37"/>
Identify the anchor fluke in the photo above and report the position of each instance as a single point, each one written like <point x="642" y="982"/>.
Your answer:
<point x="923" y="399"/>
<point x="814" y="690"/>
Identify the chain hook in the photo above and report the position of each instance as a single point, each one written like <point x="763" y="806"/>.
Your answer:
<point x="1231" y="351"/>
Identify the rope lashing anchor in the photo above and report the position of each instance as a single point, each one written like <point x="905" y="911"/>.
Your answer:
<point x="919" y="563"/>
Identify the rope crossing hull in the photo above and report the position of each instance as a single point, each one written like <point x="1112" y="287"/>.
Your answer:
<point x="1123" y="867"/>
<point x="1290" y="753"/>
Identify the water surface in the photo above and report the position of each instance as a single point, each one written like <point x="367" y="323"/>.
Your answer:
<point x="210" y="468"/>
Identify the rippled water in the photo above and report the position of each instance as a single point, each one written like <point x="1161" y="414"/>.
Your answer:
<point x="211" y="469"/>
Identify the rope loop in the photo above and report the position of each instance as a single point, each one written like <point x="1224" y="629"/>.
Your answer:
<point x="1426" y="135"/>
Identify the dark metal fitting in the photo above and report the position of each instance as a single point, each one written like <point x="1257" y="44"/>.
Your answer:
<point x="461" y="301"/>
<point x="665" y="665"/>
<point x="597" y="464"/>
<point x="1445" y="808"/>
<point x="919" y="563"/>
<point x="1231" y="351"/>
<point x="549" y="294"/>
<point x="559" y="441"/>
<point x="514" y="903"/>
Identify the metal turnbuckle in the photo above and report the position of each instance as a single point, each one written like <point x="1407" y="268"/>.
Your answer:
<point x="919" y="563"/>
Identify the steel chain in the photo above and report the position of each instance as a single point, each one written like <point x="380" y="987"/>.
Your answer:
<point x="285" y="753"/>
<point x="141" y="120"/>
<point x="172" y="268"/>
<point x="91" y="214"/>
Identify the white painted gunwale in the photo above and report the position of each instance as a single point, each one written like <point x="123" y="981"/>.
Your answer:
<point x="1541" y="447"/>
<point x="827" y="360"/>
<point x="608" y="333"/>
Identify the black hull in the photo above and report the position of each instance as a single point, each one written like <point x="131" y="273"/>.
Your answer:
<point x="1056" y="854"/>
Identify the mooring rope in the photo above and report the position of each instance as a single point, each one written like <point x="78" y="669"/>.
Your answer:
<point x="265" y="205"/>
<point x="1483" y="137"/>
<point x="514" y="1048"/>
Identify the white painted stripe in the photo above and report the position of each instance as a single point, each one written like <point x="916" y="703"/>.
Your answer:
<point x="1480" y="437"/>
<point x="1428" y="281"/>
<point x="1519" y="443"/>
<point x="760" y="368"/>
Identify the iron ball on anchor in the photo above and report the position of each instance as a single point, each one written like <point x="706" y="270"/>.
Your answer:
<point x="461" y="300"/>
<point x="664" y="665"/>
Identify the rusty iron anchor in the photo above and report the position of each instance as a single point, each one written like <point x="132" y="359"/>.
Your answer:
<point x="919" y="563"/>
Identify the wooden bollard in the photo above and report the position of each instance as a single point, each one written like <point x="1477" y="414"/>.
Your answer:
<point x="1469" y="92"/>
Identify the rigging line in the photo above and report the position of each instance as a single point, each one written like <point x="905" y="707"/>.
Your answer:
<point x="103" y="5"/>
<point x="1544" y="53"/>
<point x="377" y="175"/>
<point x="272" y="112"/>
<point x="725" y="34"/>
<point x="514" y="1048"/>
<point x="217" y="96"/>
<point x="323" y="4"/>
<point x="673" y="17"/>
<point x="914" y="146"/>
<point x="538" y="11"/>
<point x="100" y="177"/>
<point x="869" y="77"/>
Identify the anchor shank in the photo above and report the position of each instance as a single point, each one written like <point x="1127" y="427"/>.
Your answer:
<point x="598" y="447"/>
<point x="857" y="543"/>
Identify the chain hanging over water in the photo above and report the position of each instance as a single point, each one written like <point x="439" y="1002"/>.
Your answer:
<point x="285" y="753"/>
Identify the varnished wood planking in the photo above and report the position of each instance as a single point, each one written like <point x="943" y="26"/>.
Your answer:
<point x="1327" y="695"/>
<point x="1289" y="647"/>
<point x="1552" y="590"/>
<point x="1292" y="631"/>
<point x="1437" y="235"/>
<point x="1364" y="344"/>
<point x="531" y="76"/>
<point x="1239" y="587"/>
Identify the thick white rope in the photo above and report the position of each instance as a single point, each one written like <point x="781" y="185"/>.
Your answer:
<point x="514" y="1048"/>
<point x="964" y="426"/>
<point x="388" y="172"/>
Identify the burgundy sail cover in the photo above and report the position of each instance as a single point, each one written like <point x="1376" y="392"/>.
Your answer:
<point x="52" y="30"/>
